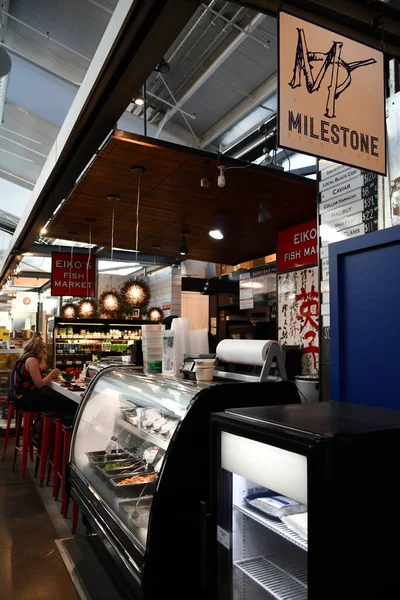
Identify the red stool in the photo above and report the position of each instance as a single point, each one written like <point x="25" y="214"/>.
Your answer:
<point x="55" y="452"/>
<point x="45" y="444"/>
<point x="66" y="431"/>
<point x="66" y="436"/>
<point x="25" y="422"/>
<point x="9" y="421"/>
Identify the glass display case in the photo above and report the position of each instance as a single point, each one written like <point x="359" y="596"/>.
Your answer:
<point x="294" y="510"/>
<point x="139" y="470"/>
<point x="97" y="366"/>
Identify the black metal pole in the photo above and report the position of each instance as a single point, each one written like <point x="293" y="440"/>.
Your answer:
<point x="144" y="110"/>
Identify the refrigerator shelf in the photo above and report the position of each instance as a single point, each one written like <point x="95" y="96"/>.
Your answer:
<point x="274" y="525"/>
<point x="281" y="576"/>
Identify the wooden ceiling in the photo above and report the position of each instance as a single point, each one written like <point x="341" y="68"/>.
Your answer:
<point x="171" y="200"/>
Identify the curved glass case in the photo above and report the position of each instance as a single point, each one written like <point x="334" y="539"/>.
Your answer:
<point x="125" y="426"/>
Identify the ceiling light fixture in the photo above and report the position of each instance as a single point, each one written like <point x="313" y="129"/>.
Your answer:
<point x="217" y="233"/>
<point x="205" y="182"/>
<point x="183" y="249"/>
<point x="138" y="100"/>
<point x="163" y="66"/>
<point x="264" y="214"/>
<point x="221" y="176"/>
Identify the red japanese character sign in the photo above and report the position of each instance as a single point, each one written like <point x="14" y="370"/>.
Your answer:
<point x="298" y="315"/>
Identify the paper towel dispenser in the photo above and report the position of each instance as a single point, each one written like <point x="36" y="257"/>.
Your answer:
<point x="263" y="355"/>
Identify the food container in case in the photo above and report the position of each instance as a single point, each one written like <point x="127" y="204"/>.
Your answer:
<point x="133" y="489"/>
<point x="135" y="466"/>
<point x="101" y="456"/>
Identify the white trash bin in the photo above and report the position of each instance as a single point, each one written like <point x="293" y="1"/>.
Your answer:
<point x="308" y="387"/>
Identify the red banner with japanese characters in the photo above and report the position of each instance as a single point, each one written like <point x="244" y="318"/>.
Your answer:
<point x="298" y="315"/>
<point x="73" y="274"/>
<point x="297" y="246"/>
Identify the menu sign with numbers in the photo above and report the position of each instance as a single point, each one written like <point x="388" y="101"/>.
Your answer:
<point x="348" y="207"/>
<point x="257" y="287"/>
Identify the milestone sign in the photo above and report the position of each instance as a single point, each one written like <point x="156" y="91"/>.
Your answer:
<point x="331" y="96"/>
<point x="73" y="275"/>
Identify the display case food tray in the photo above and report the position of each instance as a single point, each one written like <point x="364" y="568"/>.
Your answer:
<point x="100" y="456"/>
<point x="127" y="490"/>
<point x="135" y="466"/>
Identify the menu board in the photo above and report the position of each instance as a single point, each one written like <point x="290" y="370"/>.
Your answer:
<point x="348" y="207"/>
<point x="257" y="287"/>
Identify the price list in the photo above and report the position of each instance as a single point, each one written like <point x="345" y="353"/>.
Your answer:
<point x="369" y="194"/>
<point x="348" y="207"/>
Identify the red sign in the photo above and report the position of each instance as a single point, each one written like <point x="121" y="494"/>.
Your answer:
<point x="73" y="275"/>
<point x="297" y="246"/>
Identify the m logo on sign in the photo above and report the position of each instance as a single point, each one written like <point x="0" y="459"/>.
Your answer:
<point x="324" y="81"/>
<point x="340" y="76"/>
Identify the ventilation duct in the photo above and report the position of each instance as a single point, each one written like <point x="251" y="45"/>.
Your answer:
<point x="5" y="68"/>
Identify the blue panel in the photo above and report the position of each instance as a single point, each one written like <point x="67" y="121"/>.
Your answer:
<point x="365" y="311"/>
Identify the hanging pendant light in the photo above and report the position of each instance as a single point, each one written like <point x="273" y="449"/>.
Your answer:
<point x="87" y="309"/>
<point x="110" y="303"/>
<point x="183" y="249"/>
<point x="155" y="314"/>
<point x="217" y="232"/>
<point x="68" y="311"/>
<point x="136" y="293"/>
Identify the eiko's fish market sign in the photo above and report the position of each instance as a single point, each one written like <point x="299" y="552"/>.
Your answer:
<point x="331" y="95"/>
<point x="73" y="275"/>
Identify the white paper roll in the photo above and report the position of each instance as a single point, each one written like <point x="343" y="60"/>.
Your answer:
<point x="243" y="352"/>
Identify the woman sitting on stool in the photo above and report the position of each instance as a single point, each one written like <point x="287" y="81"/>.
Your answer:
<point x="30" y="392"/>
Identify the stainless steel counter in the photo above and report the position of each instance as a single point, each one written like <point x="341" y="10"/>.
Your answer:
<point x="63" y="391"/>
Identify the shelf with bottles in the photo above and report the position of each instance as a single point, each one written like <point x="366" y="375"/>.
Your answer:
<point x="90" y="346"/>
<point x="102" y="329"/>
<point x="77" y="338"/>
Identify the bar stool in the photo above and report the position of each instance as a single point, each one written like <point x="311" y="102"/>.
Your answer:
<point x="55" y="451"/>
<point x="66" y="429"/>
<point x="45" y="444"/>
<point x="24" y="421"/>
<point x="11" y="409"/>
<point x="66" y="437"/>
<point x="10" y="416"/>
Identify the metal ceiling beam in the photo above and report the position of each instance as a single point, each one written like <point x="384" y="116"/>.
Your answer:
<point x="43" y="250"/>
<point x="257" y="96"/>
<point x="33" y="275"/>
<point x="221" y="58"/>
<point x="353" y="18"/>
<point x="138" y="34"/>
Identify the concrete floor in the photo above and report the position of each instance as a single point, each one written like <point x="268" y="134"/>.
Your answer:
<point x="31" y="565"/>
